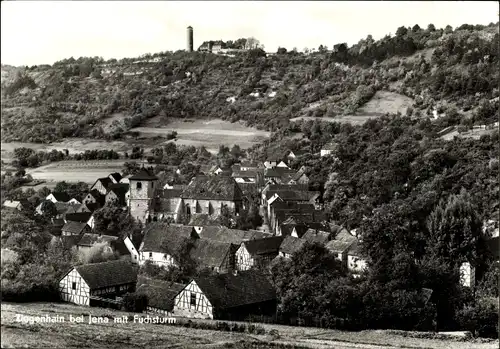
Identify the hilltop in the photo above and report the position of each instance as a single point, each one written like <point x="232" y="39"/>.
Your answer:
<point x="418" y="72"/>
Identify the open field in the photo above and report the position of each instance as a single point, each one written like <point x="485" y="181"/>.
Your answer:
<point x="134" y="335"/>
<point x="210" y="133"/>
<point x="75" y="171"/>
<point x="381" y="103"/>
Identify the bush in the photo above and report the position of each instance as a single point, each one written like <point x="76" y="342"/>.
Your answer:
<point x="134" y="302"/>
<point x="481" y="319"/>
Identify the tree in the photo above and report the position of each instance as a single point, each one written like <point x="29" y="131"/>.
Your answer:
<point x="431" y="27"/>
<point x="455" y="229"/>
<point x="402" y="31"/>
<point x="48" y="209"/>
<point x="252" y="43"/>
<point x="99" y="252"/>
<point x="416" y="28"/>
<point x="281" y="50"/>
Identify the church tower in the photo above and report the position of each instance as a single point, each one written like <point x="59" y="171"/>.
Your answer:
<point x="142" y="187"/>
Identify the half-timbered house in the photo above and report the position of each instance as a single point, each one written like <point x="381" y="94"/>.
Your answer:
<point x="257" y="253"/>
<point x="86" y="284"/>
<point x="101" y="185"/>
<point x="227" y="297"/>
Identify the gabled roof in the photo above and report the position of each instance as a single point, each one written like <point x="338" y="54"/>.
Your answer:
<point x="250" y="164"/>
<point x="277" y="172"/>
<point x="202" y="219"/>
<point x="170" y="193"/>
<point x="344" y="235"/>
<point x="105" y="181"/>
<point x="116" y="176"/>
<point x="330" y="146"/>
<point x="263" y="246"/>
<point x="161" y="294"/>
<point x="313" y="235"/>
<point x="355" y="250"/>
<point x="63" y="207"/>
<point x="294" y="195"/>
<point x="166" y="238"/>
<point x="11" y="204"/>
<point x="90" y="239"/>
<point x="209" y="253"/>
<point x="234" y="236"/>
<point x="81" y="217"/>
<point x="60" y="196"/>
<point x="213" y="188"/>
<point x="120" y="190"/>
<point x="99" y="198"/>
<point x="228" y="291"/>
<point x="338" y="246"/>
<point x="108" y="274"/>
<point x="74" y="227"/>
<point x="143" y="175"/>
<point x="291" y="244"/>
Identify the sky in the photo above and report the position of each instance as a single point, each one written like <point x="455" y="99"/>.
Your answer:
<point x="42" y="32"/>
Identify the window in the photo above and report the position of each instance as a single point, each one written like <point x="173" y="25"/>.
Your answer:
<point x="193" y="299"/>
<point x="150" y="254"/>
<point x="139" y="186"/>
<point x="73" y="285"/>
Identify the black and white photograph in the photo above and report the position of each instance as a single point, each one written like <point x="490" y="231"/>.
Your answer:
<point x="250" y="174"/>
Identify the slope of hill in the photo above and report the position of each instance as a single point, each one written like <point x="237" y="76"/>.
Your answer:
<point x="417" y="72"/>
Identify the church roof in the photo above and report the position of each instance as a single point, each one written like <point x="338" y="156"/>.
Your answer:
<point x="143" y="175"/>
<point x="213" y="188"/>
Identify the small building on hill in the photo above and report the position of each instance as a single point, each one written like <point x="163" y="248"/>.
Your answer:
<point x="356" y="260"/>
<point x="87" y="284"/>
<point x="16" y="205"/>
<point x="257" y="253"/>
<point x="329" y="149"/>
<point x="227" y="297"/>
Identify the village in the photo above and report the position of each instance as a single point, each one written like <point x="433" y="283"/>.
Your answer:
<point x="238" y="285"/>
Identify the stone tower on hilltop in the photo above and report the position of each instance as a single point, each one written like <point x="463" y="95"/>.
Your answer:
<point x="142" y="187"/>
<point x="190" y="39"/>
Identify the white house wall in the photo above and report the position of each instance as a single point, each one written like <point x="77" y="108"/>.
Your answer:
<point x="244" y="260"/>
<point x="158" y="258"/>
<point x="183" y="306"/>
<point x="80" y="294"/>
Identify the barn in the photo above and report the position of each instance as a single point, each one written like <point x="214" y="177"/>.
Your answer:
<point x="227" y="297"/>
<point x="88" y="284"/>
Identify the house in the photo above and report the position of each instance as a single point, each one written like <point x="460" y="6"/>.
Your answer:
<point x="80" y="217"/>
<point x="118" y="193"/>
<point x="114" y="244"/>
<point x="209" y="194"/>
<point x="279" y="187"/>
<point x="257" y="252"/>
<point x="279" y="174"/>
<point x="328" y="149"/>
<point x="249" y="166"/>
<point x="134" y="253"/>
<point x="272" y="162"/>
<point x="233" y="236"/>
<point x="290" y="245"/>
<point x="95" y="197"/>
<point x="214" y="255"/>
<point x="58" y="197"/>
<point x="160" y="294"/>
<point x="101" y="185"/>
<point x="356" y="261"/>
<point x="16" y="205"/>
<point x="317" y="236"/>
<point x="115" y="177"/>
<point x="62" y="208"/>
<point x="86" y="284"/>
<point x="162" y="241"/>
<point x="74" y="228"/>
<point x="292" y="155"/>
<point x="227" y="297"/>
